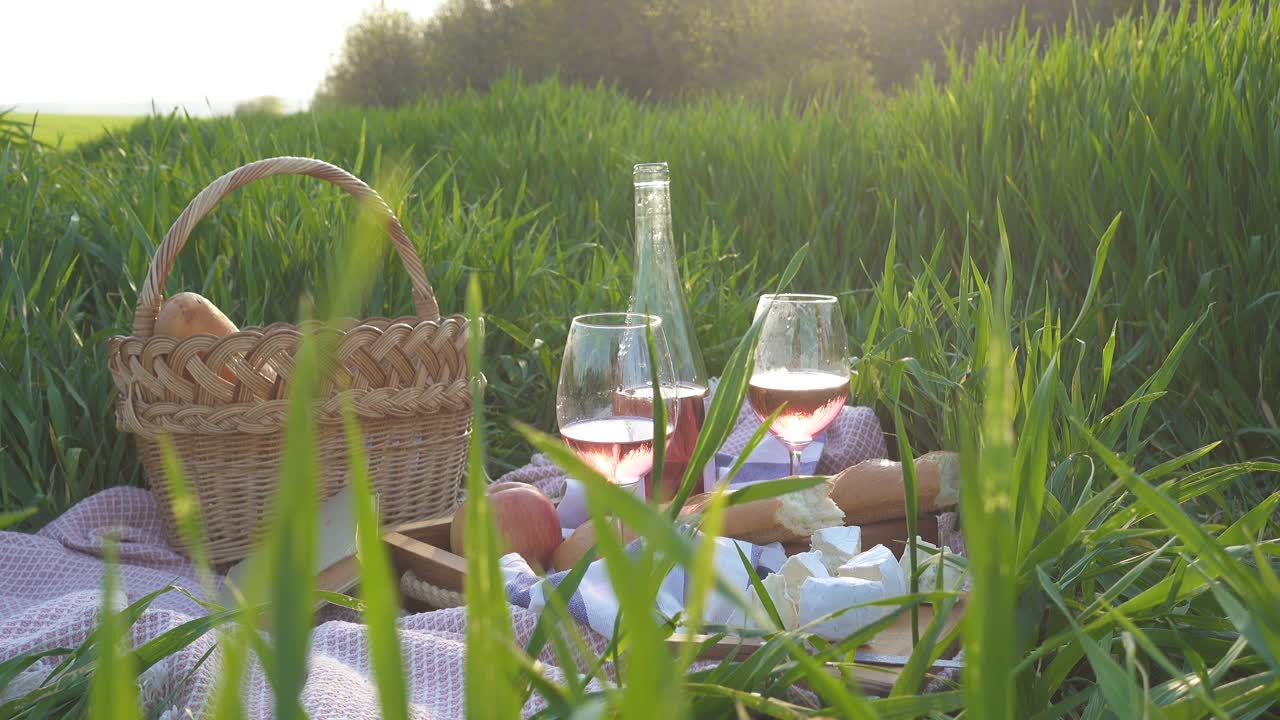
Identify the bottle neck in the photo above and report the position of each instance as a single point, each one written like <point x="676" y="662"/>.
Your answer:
<point x="653" y="218"/>
<point x="658" y="289"/>
<point x="656" y="274"/>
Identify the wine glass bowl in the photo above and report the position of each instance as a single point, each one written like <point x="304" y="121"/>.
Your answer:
<point x="801" y="365"/>
<point x="604" y="402"/>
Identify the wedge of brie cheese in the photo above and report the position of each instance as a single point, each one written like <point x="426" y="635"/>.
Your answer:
<point x="930" y="560"/>
<point x="880" y="565"/>
<point x="801" y="567"/>
<point x="820" y="597"/>
<point x="787" y="606"/>
<point x="837" y="545"/>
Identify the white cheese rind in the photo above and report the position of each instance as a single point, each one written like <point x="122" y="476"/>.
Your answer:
<point x="837" y="545"/>
<point x="949" y="564"/>
<point x="929" y="558"/>
<point x="822" y="596"/>
<point x="787" y="607"/>
<point x="880" y="565"/>
<point x="924" y="550"/>
<point x="801" y="567"/>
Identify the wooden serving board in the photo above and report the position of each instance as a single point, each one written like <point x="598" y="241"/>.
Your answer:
<point x="877" y="664"/>
<point x="424" y="548"/>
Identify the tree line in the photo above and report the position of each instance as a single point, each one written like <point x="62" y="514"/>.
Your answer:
<point x="665" y="49"/>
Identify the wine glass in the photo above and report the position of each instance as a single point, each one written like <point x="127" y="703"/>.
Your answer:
<point x="801" y="360"/>
<point x="604" y="404"/>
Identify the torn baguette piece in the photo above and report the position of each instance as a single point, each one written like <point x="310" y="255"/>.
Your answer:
<point x="869" y="492"/>
<point x="877" y="564"/>
<point x="837" y="545"/>
<point x="785" y="518"/>
<point x="822" y="596"/>
<point x="874" y="490"/>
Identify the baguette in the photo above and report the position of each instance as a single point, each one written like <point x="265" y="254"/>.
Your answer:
<point x="577" y="545"/>
<point x="874" y="490"/>
<point x="869" y="492"/>
<point x="786" y="518"/>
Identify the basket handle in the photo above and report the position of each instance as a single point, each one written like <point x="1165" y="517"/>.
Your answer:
<point x="144" y="317"/>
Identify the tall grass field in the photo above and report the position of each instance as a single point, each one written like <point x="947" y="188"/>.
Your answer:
<point x="1065" y="264"/>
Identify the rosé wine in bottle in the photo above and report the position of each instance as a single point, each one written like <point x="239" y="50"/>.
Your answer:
<point x="659" y="290"/>
<point x="813" y="401"/>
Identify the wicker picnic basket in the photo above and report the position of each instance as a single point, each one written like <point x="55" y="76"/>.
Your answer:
<point x="406" y="378"/>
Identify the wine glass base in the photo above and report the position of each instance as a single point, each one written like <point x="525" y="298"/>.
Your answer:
<point x="635" y="487"/>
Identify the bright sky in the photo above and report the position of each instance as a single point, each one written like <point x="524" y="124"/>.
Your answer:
<point x="107" y="55"/>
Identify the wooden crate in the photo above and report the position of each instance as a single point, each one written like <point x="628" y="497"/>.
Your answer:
<point x="424" y="548"/>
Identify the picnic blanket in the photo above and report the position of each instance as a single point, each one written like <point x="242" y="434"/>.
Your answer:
<point x="50" y="595"/>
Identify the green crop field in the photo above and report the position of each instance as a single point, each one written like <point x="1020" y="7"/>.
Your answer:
<point x="69" y="131"/>
<point x="1077" y="239"/>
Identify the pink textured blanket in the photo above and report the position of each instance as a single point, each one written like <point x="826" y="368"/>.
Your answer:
<point x="50" y="594"/>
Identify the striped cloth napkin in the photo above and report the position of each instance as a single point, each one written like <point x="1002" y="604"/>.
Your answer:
<point x="595" y="605"/>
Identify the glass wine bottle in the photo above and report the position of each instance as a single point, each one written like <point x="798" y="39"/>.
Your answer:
<point x="659" y="291"/>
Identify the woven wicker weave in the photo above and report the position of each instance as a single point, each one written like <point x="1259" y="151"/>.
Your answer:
<point x="406" y="378"/>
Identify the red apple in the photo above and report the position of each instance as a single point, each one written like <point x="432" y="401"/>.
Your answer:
<point x="527" y="524"/>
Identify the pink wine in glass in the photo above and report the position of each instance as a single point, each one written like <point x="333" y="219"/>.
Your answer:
<point x="691" y="412"/>
<point x="620" y="448"/>
<point x="813" y="401"/>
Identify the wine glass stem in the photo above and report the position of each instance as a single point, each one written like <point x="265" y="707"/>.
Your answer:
<point x="794" y="457"/>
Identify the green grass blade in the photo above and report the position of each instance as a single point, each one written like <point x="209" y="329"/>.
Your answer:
<point x="562" y="592"/>
<point x="911" y="677"/>
<point x="771" y="488"/>
<point x="226" y="701"/>
<point x="722" y="416"/>
<point x="1208" y="550"/>
<point x="914" y="706"/>
<point x="766" y="600"/>
<point x="377" y="584"/>
<point x="753" y="442"/>
<point x="292" y="540"/>
<point x="638" y="516"/>
<point x="659" y="418"/>
<point x="793" y="267"/>
<point x="1032" y="459"/>
<point x="490" y="643"/>
<point x="186" y="512"/>
<point x="114" y="692"/>
<point x="9" y="519"/>
<point x="702" y="573"/>
<point x="846" y="699"/>
<point x="1118" y="687"/>
<point x="987" y="517"/>
<point x="1099" y="264"/>
<point x="650" y="686"/>
<point x="910" y="486"/>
